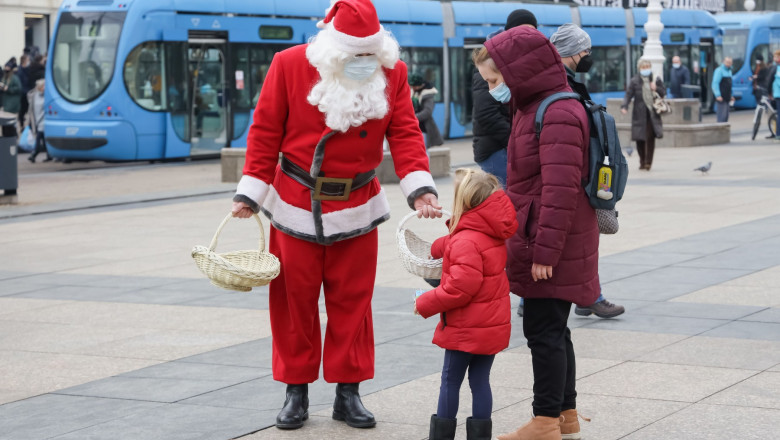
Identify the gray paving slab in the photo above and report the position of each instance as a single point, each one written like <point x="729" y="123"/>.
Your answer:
<point x="619" y="345"/>
<point x="192" y="371"/>
<point x="767" y="315"/>
<point x="639" y="289"/>
<point x="718" y="352"/>
<point x="643" y="256"/>
<point x="699" y="246"/>
<point x="395" y="326"/>
<point x="759" y="391"/>
<point x="751" y="256"/>
<point x="177" y="422"/>
<point x="235" y="300"/>
<point x="612" y="271"/>
<point x="49" y="415"/>
<point x="658" y="324"/>
<point x="76" y="293"/>
<point x="147" y="389"/>
<point x="716" y="422"/>
<point x="249" y="354"/>
<point x="324" y="427"/>
<point x="260" y="395"/>
<point x="680" y="383"/>
<point x="699" y="310"/>
<point x="768" y="331"/>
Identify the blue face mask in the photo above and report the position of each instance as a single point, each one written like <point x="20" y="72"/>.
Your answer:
<point x="501" y="93"/>
<point x="361" y="68"/>
<point x="646" y="72"/>
<point x="676" y="65"/>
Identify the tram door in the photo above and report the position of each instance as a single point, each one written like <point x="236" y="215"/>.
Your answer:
<point x="209" y="107"/>
<point x="707" y="65"/>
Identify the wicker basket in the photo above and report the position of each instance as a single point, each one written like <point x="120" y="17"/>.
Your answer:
<point x="416" y="252"/>
<point x="238" y="270"/>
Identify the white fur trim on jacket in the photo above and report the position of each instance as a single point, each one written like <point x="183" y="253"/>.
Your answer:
<point x="287" y="217"/>
<point x="355" y="45"/>
<point x="253" y="188"/>
<point x="416" y="180"/>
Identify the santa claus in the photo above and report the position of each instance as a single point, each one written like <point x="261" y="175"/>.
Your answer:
<point x="326" y="107"/>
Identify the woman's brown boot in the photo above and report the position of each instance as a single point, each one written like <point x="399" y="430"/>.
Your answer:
<point x="539" y="428"/>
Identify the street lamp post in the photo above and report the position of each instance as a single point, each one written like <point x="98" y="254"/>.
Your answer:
<point x="653" y="50"/>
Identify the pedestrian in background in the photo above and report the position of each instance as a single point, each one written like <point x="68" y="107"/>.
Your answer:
<point x="679" y="76"/>
<point x="773" y="84"/>
<point x="722" y="89"/>
<point x="36" y="121"/>
<point x="759" y="78"/>
<point x="574" y="46"/>
<point x="552" y="259"/>
<point x="12" y="95"/>
<point x="24" y="78"/>
<point x="424" y="101"/>
<point x="646" y="124"/>
<point x="472" y="300"/>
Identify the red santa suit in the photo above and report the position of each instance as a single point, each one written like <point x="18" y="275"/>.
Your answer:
<point x="330" y="243"/>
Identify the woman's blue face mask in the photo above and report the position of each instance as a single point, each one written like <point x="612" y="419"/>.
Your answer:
<point x="646" y="72"/>
<point x="501" y="93"/>
<point x="361" y="68"/>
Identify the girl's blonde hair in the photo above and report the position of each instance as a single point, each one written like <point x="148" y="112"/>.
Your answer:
<point x="472" y="187"/>
<point x="481" y="55"/>
<point x="643" y="62"/>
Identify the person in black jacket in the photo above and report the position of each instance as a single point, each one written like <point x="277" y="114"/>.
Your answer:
<point x="492" y="119"/>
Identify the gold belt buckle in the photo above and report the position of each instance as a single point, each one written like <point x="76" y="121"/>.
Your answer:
<point x="318" y="188"/>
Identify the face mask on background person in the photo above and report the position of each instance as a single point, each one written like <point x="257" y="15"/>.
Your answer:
<point x="361" y="68"/>
<point x="676" y="65"/>
<point x="585" y="64"/>
<point x="501" y="93"/>
<point x="646" y="72"/>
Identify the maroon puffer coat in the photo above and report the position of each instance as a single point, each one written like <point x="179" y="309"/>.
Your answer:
<point x="473" y="297"/>
<point x="557" y="225"/>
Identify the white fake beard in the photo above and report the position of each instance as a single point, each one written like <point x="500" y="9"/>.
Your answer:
<point x="345" y="102"/>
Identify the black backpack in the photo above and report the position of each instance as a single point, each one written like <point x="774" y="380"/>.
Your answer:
<point x="604" y="143"/>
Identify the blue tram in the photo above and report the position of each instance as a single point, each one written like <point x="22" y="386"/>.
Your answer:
<point x="162" y="79"/>
<point x="745" y="36"/>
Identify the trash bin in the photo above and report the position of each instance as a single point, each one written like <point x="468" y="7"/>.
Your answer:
<point x="9" y="180"/>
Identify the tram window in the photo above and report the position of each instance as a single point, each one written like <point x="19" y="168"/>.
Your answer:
<point x="462" y="71"/>
<point x="260" y="57"/>
<point x="763" y="50"/>
<point x="735" y="46"/>
<point x="427" y="63"/>
<point x="608" y="73"/>
<point x="85" y="53"/>
<point x="144" y="76"/>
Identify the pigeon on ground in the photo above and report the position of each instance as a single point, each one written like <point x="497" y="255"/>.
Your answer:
<point x="704" y="168"/>
<point x="629" y="151"/>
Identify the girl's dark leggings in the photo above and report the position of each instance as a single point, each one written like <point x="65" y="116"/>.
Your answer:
<point x="456" y="363"/>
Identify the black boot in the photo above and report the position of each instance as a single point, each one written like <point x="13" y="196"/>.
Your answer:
<point x="296" y="407"/>
<point x="442" y="429"/>
<point x="479" y="429"/>
<point x="350" y="409"/>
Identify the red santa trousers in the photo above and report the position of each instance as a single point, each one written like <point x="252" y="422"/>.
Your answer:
<point x="346" y="270"/>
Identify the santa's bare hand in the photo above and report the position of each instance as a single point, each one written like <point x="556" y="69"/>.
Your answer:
<point x="427" y="205"/>
<point x="242" y="210"/>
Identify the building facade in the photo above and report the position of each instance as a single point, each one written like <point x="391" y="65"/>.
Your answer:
<point x="25" y="23"/>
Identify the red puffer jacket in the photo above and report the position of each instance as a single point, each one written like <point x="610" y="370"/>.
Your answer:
<point x="557" y="225"/>
<point x="473" y="297"/>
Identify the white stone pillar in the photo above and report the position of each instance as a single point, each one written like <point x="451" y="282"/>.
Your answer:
<point x="653" y="51"/>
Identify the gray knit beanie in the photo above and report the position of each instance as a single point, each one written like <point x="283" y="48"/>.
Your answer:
<point x="570" y="40"/>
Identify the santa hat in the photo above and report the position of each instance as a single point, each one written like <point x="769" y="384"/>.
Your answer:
<point x="354" y="26"/>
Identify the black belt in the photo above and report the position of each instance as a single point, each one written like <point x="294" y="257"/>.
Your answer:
<point x="326" y="188"/>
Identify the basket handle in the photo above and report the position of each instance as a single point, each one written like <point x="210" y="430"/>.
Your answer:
<point x="213" y="244"/>
<point x="412" y="214"/>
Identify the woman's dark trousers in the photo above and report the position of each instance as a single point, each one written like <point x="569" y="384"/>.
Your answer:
<point x="552" y="353"/>
<point x="646" y="148"/>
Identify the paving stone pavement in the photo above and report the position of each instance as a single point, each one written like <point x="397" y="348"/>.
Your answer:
<point x="108" y="331"/>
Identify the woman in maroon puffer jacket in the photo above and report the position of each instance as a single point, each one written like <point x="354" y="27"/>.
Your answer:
<point x="473" y="299"/>
<point x="553" y="256"/>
